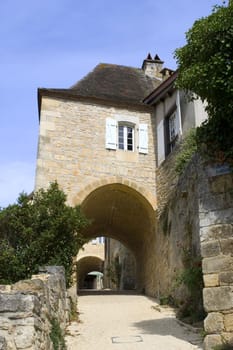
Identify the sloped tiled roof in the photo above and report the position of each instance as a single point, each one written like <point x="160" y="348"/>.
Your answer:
<point x="113" y="83"/>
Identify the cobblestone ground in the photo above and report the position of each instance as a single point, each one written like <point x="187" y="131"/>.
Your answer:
<point x="127" y="322"/>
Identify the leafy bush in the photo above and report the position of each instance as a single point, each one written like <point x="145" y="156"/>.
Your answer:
<point x="39" y="231"/>
<point x="187" y="149"/>
<point x="207" y="71"/>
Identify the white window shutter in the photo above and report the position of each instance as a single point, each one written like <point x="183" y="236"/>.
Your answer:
<point x="143" y="138"/>
<point x="111" y="133"/>
<point x="160" y="142"/>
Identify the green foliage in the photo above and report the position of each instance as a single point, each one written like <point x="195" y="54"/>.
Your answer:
<point x="167" y="300"/>
<point x="187" y="149"/>
<point x="56" y="336"/>
<point x="205" y="66"/>
<point x="42" y="231"/>
<point x="191" y="277"/>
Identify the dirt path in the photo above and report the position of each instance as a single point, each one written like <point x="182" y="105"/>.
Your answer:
<point x="127" y="322"/>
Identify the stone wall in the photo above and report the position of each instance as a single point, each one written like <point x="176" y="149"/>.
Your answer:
<point x="127" y="266"/>
<point x="195" y="211"/>
<point x="216" y="232"/>
<point x="72" y="147"/>
<point x="177" y="231"/>
<point x="28" y="307"/>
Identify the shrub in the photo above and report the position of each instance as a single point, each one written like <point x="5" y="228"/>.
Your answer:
<point x="42" y="231"/>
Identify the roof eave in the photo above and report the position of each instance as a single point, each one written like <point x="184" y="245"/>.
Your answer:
<point x="65" y="94"/>
<point x="161" y="91"/>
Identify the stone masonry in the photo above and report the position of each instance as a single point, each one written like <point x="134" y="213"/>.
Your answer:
<point x="216" y="233"/>
<point x="72" y="148"/>
<point x="28" y="307"/>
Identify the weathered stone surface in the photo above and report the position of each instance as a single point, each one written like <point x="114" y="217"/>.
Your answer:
<point x="220" y="184"/>
<point x="25" y="316"/>
<point x="24" y="337"/>
<point x="226" y="278"/>
<point x="18" y="302"/>
<point x="209" y="249"/>
<point x="215" y="232"/>
<point x="211" y="280"/>
<point x="228" y="322"/>
<point x="227" y="246"/>
<point x="212" y="340"/>
<point x="217" y="264"/>
<point x="214" y="322"/>
<point x="218" y="298"/>
<point x="3" y="344"/>
<point x="215" y="217"/>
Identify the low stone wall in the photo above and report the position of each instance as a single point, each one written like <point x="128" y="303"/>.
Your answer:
<point x="30" y="307"/>
<point x="216" y="233"/>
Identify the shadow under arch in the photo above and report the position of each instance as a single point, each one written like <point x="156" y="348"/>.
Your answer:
<point x="121" y="212"/>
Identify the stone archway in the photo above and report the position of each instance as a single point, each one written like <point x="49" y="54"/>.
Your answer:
<point x="119" y="211"/>
<point x="86" y="265"/>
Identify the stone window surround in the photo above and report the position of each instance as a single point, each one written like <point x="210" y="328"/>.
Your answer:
<point x="131" y="121"/>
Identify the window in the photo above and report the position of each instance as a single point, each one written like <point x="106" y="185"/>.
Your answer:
<point x="125" y="137"/>
<point x="171" y="124"/>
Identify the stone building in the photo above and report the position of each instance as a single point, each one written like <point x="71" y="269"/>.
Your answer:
<point x="102" y="140"/>
<point x="110" y="141"/>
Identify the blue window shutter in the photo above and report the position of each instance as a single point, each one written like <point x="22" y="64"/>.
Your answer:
<point x="111" y="133"/>
<point x="143" y="138"/>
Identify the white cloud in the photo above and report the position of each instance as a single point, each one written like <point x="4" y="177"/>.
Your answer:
<point x="15" y="178"/>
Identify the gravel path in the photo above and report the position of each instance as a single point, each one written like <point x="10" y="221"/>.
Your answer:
<point x="127" y="322"/>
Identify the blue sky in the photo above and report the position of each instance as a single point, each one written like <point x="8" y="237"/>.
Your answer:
<point x="54" y="43"/>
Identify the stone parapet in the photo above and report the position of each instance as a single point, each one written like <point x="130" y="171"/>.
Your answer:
<point x="28" y="308"/>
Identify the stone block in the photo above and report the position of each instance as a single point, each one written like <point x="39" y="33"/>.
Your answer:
<point x="18" y="302"/>
<point x="29" y="285"/>
<point x="220" y="184"/>
<point x="209" y="249"/>
<point x="218" y="298"/>
<point x="211" y="341"/>
<point x="214" y="322"/>
<point x="226" y="278"/>
<point x="217" y="264"/>
<point x="211" y="280"/>
<point x="216" y="232"/>
<point x="227" y="246"/>
<point x="24" y="337"/>
<point x="228" y="322"/>
<point x="228" y="338"/>
<point x="216" y="217"/>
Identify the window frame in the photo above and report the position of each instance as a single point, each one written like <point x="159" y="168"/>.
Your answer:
<point x="171" y="137"/>
<point x="126" y="144"/>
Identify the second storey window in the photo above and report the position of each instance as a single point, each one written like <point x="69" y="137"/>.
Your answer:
<point x="171" y="131"/>
<point x="125" y="137"/>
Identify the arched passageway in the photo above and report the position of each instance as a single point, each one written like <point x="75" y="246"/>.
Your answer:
<point x="122" y="213"/>
<point x="85" y="266"/>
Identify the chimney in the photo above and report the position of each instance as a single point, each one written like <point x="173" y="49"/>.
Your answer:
<point x="152" y="67"/>
<point x="166" y="73"/>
